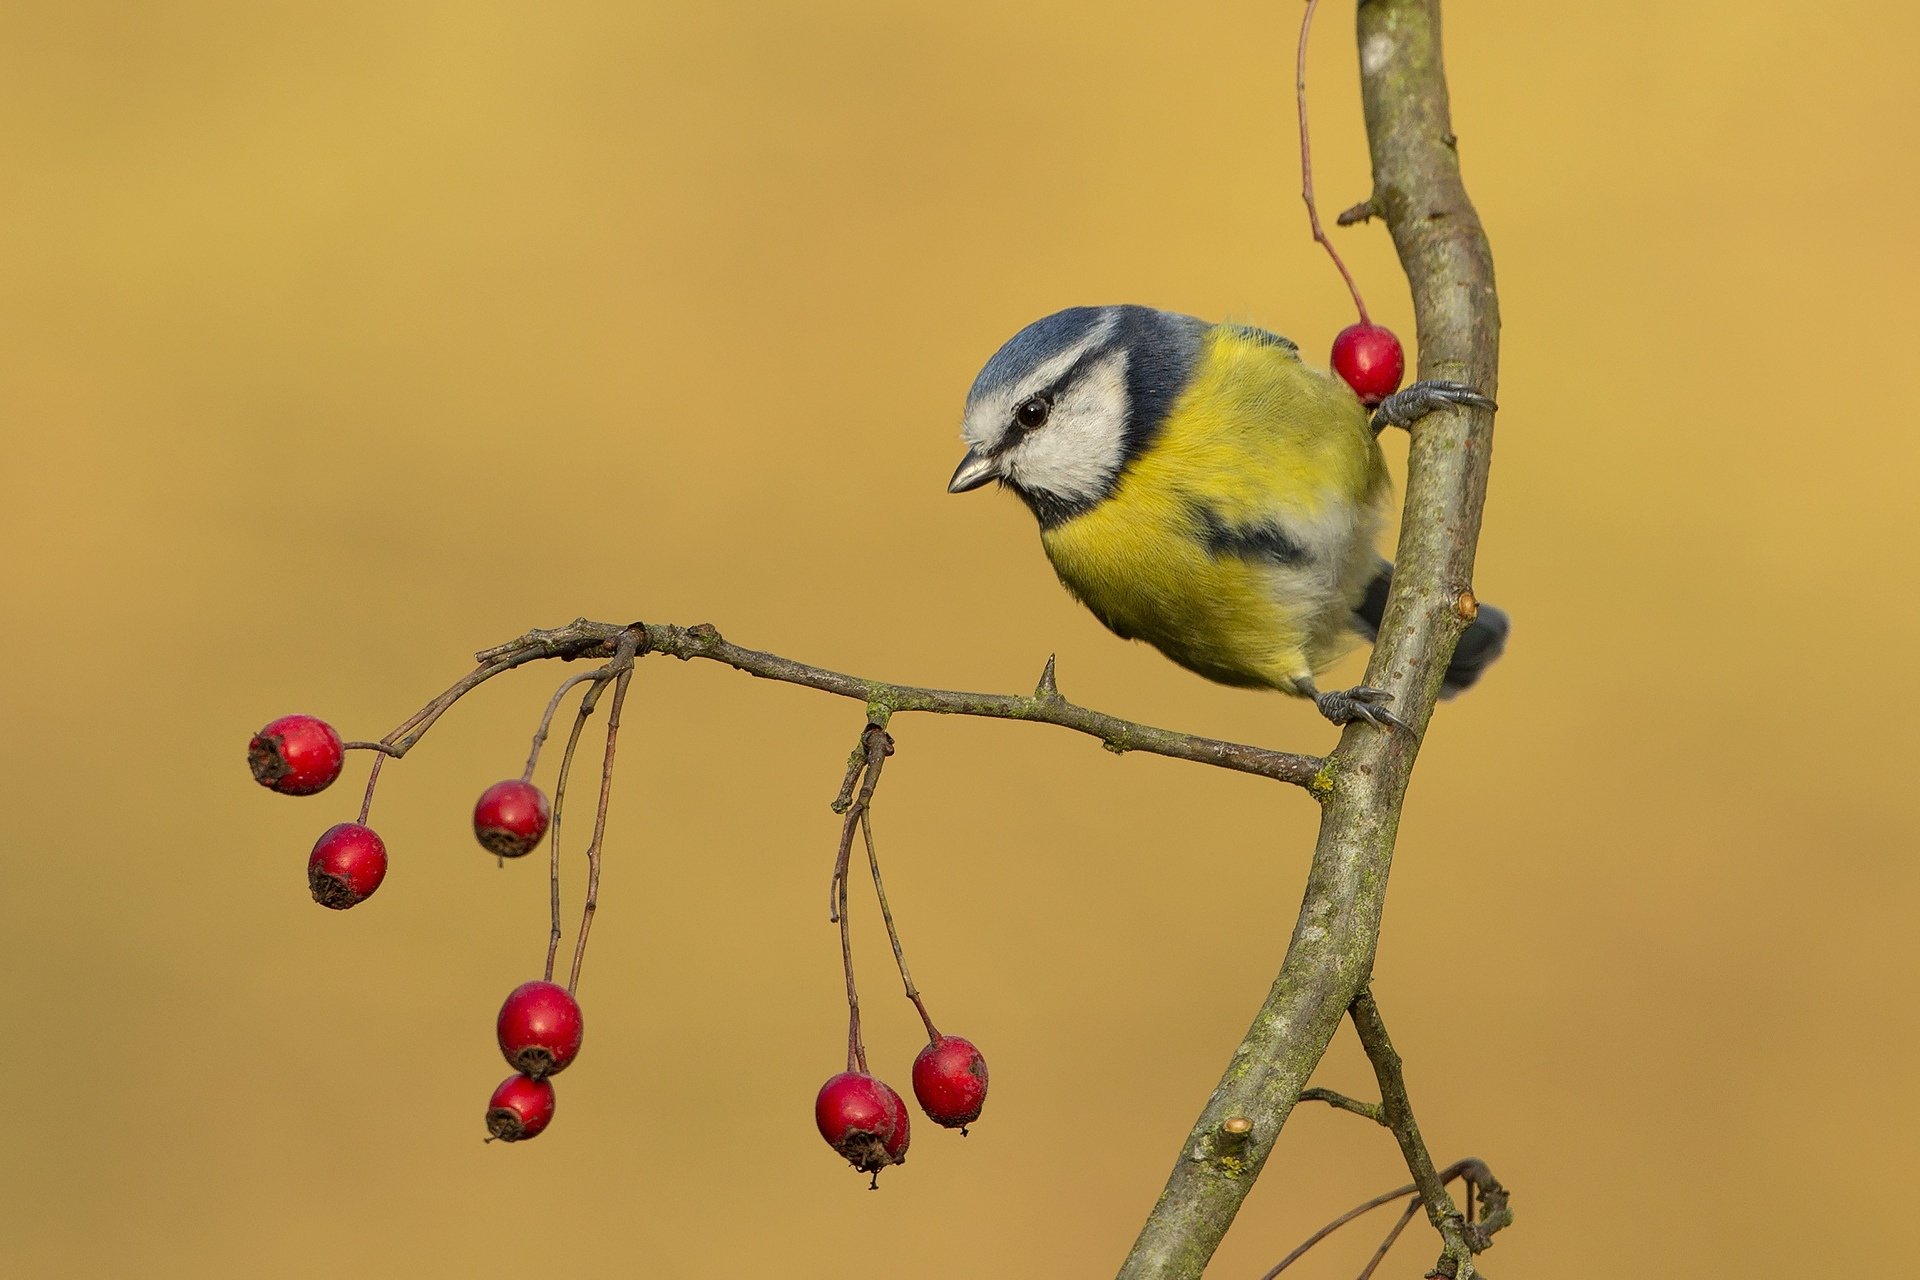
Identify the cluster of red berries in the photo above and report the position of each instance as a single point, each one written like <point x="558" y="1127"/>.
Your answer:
<point x="863" y="1119"/>
<point x="860" y="1115"/>
<point x="302" y="755"/>
<point x="540" y="1024"/>
<point x="540" y="1028"/>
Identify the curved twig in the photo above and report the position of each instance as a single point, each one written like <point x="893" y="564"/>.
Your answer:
<point x="1449" y="267"/>
<point x="585" y="639"/>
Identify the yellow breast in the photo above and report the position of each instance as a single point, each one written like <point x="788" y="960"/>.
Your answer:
<point x="1240" y="540"/>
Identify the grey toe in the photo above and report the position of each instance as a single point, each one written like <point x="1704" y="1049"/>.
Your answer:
<point x="1407" y="406"/>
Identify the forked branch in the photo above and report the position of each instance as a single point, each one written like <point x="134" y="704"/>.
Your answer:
<point x="1329" y="958"/>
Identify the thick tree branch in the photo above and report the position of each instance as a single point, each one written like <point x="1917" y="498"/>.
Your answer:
<point x="1329" y="958"/>
<point x="584" y="639"/>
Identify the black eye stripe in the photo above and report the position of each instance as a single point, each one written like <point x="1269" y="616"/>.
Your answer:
<point x="1050" y="394"/>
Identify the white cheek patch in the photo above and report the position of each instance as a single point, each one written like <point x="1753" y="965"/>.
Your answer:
<point x="990" y="418"/>
<point x="1079" y="451"/>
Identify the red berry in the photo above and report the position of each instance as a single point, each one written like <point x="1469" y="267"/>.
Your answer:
<point x="511" y="817"/>
<point x="346" y="866"/>
<point x="950" y="1080"/>
<point x="296" y="755"/>
<point x="540" y="1029"/>
<point x="520" y="1108"/>
<point x="1369" y="359"/>
<point x="864" y="1120"/>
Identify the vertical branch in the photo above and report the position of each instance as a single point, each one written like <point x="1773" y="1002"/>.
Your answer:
<point x="1329" y="957"/>
<point x="1396" y="1113"/>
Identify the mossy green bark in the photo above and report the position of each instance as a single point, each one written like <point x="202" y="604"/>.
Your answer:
<point x="1329" y="957"/>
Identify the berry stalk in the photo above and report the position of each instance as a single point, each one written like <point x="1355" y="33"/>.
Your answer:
<point x="624" y="659"/>
<point x="863" y="770"/>
<point x="893" y="934"/>
<point x="546" y="720"/>
<point x="1306" y="164"/>
<point x="559" y="805"/>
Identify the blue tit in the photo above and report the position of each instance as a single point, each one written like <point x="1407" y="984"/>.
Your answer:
<point x="1199" y="488"/>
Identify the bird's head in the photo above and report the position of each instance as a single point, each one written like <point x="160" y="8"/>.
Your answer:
<point x="1060" y="410"/>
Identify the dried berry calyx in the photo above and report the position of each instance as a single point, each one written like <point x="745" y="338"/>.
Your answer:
<point x="950" y="1082"/>
<point x="540" y="1029"/>
<point x="519" y="1109"/>
<point x="864" y="1120"/>
<point x="347" y="864"/>
<point x="296" y="755"/>
<point x="511" y="817"/>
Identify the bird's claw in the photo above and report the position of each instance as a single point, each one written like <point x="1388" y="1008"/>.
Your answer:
<point x="1360" y="703"/>
<point x="1410" y="404"/>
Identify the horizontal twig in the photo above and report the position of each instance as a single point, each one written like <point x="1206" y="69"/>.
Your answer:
<point x="1341" y="1102"/>
<point x="586" y="639"/>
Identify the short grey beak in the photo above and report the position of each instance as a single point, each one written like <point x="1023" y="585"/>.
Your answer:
<point x="975" y="470"/>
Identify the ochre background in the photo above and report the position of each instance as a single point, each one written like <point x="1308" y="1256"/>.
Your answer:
<point x="341" y="340"/>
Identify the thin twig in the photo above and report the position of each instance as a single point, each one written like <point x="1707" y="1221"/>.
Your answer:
<point x="586" y="639"/>
<point x="546" y="720"/>
<point x="1396" y="1111"/>
<point x="1386" y="1246"/>
<point x="580" y="718"/>
<point x="408" y="732"/>
<point x="1460" y="1239"/>
<point x="869" y="756"/>
<point x="1306" y="163"/>
<point x="1474" y="1173"/>
<point x="1358" y="1210"/>
<point x="1341" y="1102"/>
<point x="893" y="935"/>
<point x="373" y="777"/>
<point x="623" y="663"/>
<point x="856" y="1049"/>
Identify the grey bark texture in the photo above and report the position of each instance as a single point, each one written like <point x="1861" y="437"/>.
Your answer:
<point x="1418" y="191"/>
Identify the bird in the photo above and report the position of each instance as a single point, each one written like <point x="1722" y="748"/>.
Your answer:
<point x="1200" y="487"/>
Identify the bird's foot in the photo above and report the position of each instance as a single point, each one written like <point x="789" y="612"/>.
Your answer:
<point x="1410" y="404"/>
<point x="1344" y="706"/>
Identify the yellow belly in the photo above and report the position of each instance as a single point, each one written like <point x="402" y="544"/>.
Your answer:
<point x="1147" y="578"/>
<point x="1257" y="440"/>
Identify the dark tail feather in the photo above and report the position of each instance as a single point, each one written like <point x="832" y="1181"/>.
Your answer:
<point x="1373" y="606"/>
<point x="1483" y="640"/>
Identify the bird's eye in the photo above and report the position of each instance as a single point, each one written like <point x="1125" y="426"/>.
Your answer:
<point x="1032" y="412"/>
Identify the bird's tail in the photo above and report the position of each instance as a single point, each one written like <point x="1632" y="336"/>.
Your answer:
<point x="1483" y="640"/>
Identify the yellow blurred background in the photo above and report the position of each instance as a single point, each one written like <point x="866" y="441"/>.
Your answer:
<point x="342" y="340"/>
